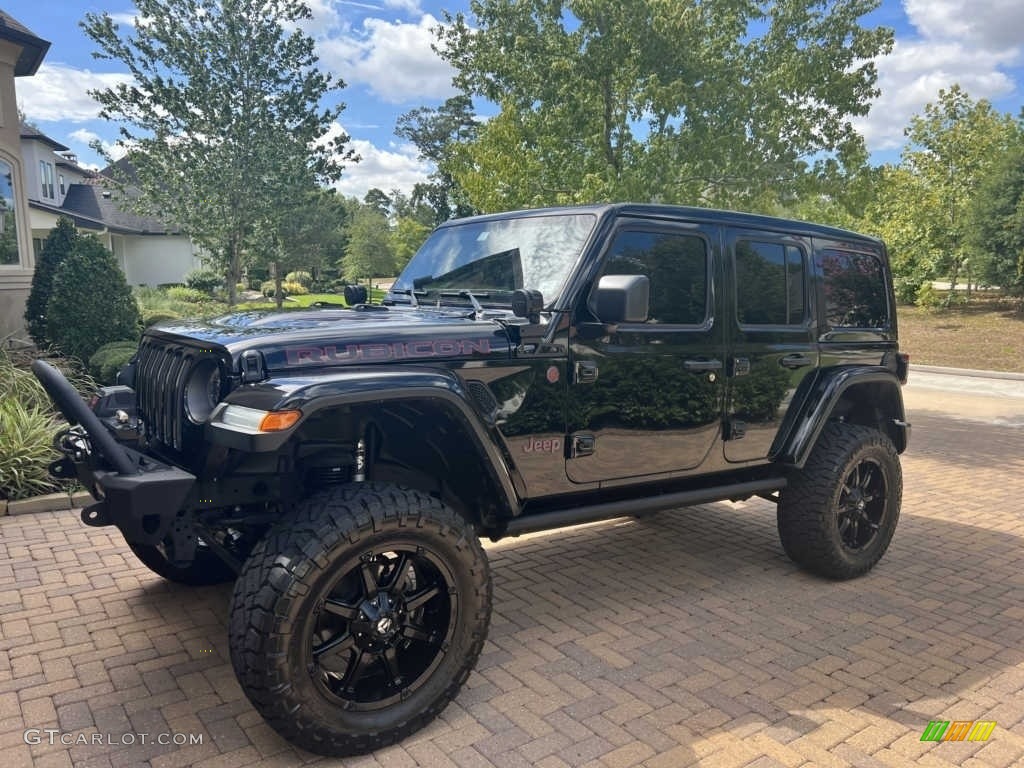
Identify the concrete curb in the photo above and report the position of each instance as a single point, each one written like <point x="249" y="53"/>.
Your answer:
<point x="50" y="502"/>
<point x="1007" y="375"/>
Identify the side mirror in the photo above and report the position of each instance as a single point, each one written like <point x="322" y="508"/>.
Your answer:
<point x="355" y="294"/>
<point x="623" y="298"/>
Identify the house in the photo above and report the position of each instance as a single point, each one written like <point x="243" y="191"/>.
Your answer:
<point x="148" y="250"/>
<point x="21" y="53"/>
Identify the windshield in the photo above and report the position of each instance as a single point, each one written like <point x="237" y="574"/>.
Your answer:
<point x="499" y="255"/>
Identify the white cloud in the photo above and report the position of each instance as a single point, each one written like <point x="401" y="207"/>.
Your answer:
<point x="412" y="7"/>
<point x="988" y="23"/>
<point x="911" y="77"/>
<point x="395" y="168"/>
<point x="394" y="59"/>
<point x="86" y="137"/>
<point x="59" y="92"/>
<point x="963" y="42"/>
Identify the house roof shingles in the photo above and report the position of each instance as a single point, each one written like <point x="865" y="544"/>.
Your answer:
<point x="97" y="201"/>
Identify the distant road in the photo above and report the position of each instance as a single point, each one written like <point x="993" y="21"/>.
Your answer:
<point x="965" y="398"/>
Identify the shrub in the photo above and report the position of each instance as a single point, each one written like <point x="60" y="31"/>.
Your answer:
<point x="56" y="248"/>
<point x="18" y="383"/>
<point x="268" y="288"/>
<point x="239" y="287"/>
<point x="109" y="359"/>
<point x="154" y="316"/>
<point x="927" y="297"/>
<point x="204" y="280"/>
<point x="191" y="295"/>
<point x="294" y="289"/>
<point x="906" y="290"/>
<point x="90" y="304"/>
<point x="299" y="276"/>
<point x="26" y="450"/>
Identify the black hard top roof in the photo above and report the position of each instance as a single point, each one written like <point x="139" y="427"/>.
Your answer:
<point x="688" y="213"/>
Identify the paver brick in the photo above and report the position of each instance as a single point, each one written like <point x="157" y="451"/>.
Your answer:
<point x="715" y="650"/>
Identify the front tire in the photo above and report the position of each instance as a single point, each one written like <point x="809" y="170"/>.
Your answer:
<point x="837" y="516"/>
<point x="356" y="620"/>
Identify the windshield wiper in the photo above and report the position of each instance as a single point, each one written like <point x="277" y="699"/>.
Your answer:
<point x="411" y="293"/>
<point x="465" y="294"/>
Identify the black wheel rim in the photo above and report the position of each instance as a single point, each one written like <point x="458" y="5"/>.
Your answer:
<point x="382" y="627"/>
<point x="861" y="504"/>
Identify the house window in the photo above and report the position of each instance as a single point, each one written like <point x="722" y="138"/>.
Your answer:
<point x="46" y="178"/>
<point x="63" y="189"/>
<point x="8" y="220"/>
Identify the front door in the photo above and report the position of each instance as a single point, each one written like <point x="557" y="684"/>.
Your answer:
<point x="772" y="345"/>
<point x="646" y="398"/>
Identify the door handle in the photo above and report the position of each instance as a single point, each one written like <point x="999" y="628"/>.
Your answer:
<point x="696" y="366"/>
<point x="796" y="361"/>
<point x="586" y="372"/>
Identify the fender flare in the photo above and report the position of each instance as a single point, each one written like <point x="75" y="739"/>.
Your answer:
<point x="822" y="401"/>
<point x="353" y="386"/>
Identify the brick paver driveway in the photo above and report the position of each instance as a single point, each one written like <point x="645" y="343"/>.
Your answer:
<point x="686" y="638"/>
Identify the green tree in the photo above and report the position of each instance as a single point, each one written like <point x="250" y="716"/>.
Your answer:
<point x="226" y="99"/>
<point x="952" y="148"/>
<point x="436" y="132"/>
<point x="90" y="302"/>
<point x="368" y="253"/>
<point x="717" y="102"/>
<point x="995" y="228"/>
<point x="306" y="234"/>
<point x="407" y="235"/>
<point x="56" y="247"/>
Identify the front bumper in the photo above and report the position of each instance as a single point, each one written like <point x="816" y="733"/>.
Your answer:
<point x="140" y="495"/>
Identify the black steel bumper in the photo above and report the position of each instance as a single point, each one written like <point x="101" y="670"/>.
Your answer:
<point x="139" y="494"/>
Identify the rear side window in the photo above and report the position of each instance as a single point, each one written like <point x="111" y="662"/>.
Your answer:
<point x="855" y="292"/>
<point x="677" y="266"/>
<point x="769" y="283"/>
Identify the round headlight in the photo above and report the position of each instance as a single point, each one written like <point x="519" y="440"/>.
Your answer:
<point x="202" y="390"/>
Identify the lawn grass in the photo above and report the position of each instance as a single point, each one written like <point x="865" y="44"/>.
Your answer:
<point x="986" y="334"/>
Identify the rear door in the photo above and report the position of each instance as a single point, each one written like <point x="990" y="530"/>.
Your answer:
<point x="646" y="398"/>
<point x="772" y="337"/>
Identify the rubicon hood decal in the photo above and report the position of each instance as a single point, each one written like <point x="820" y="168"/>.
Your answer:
<point x="327" y="338"/>
<point x="330" y="354"/>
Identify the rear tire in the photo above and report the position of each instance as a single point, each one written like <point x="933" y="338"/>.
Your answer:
<point x="837" y="516"/>
<point x="356" y="620"/>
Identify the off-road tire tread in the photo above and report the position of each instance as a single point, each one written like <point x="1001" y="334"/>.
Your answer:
<point x="283" y="565"/>
<point x="805" y="510"/>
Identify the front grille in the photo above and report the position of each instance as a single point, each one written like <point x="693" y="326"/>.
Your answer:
<point x="160" y="376"/>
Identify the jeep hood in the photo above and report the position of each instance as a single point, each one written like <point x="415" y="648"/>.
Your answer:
<point x="331" y="337"/>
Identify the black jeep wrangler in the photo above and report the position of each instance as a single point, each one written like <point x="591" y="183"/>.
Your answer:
<point x="526" y="371"/>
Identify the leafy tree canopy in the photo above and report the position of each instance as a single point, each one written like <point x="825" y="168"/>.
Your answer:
<point x="717" y="102"/>
<point x="923" y="205"/>
<point x="225" y="105"/>
<point x="995" y="227"/>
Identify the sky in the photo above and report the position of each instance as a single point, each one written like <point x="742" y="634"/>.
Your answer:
<point x="382" y="49"/>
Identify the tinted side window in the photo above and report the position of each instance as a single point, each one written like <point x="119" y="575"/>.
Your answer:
<point x="769" y="283"/>
<point x="855" y="292"/>
<point x="675" y="264"/>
